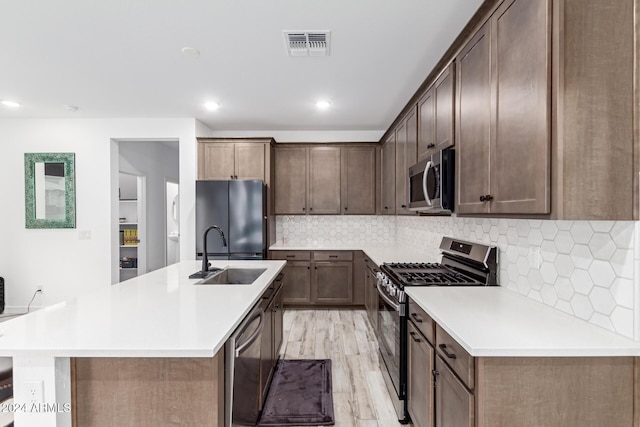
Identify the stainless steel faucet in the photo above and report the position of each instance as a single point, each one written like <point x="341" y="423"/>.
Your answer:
<point x="204" y="271"/>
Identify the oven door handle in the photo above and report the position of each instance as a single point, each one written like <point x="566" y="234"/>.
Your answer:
<point x="429" y="165"/>
<point x="386" y="299"/>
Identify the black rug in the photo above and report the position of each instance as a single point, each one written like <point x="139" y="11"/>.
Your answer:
<point x="300" y="394"/>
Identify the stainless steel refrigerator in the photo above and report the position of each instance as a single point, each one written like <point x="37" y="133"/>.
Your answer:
<point x="239" y="208"/>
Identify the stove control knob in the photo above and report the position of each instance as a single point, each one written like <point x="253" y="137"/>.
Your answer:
<point x="392" y="292"/>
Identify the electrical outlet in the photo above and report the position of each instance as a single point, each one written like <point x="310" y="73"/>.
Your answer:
<point x="534" y="257"/>
<point x="34" y="392"/>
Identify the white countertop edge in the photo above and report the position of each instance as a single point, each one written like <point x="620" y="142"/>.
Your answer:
<point x="605" y="343"/>
<point x="12" y="344"/>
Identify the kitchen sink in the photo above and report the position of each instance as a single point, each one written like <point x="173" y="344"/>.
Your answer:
<point x="233" y="276"/>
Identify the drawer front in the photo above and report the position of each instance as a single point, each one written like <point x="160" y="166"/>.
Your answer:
<point x="461" y="362"/>
<point x="333" y="256"/>
<point x="291" y="255"/>
<point x="422" y="321"/>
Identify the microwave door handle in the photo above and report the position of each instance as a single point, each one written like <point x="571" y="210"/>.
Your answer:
<point x="424" y="183"/>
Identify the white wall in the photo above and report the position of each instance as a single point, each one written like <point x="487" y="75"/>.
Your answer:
<point x="158" y="162"/>
<point x="57" y="259"/>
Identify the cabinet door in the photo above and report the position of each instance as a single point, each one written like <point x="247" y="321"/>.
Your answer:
<point x="333" y="282"/>
<point x="359" y="180"/>
<point x="444" y="108"/>
<point x="278" y="312"/>
<point x="426" y="124"/>
<point x="216" y="161"/>
<point x="473" y="123"/>
<point x="324" y="180"/>
<point x="297" y="283"/>
<point x="520" y="150"/>
<point x="406" y="147"/>
<point x="420" y="398"/>
<point x="454" y="403"/>
<point x="291" y="181"/>
<point x="250" y="161"/>
<point x="388" y="170"/>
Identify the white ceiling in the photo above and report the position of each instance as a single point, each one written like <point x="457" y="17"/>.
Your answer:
<point x="122" y="58"/>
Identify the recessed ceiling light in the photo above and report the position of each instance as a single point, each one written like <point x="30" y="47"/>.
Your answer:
<point x="11" y="104"/>
<point x="323" y="105"/>
<point x="190" y="52"/>
<point x="211" y="106"/>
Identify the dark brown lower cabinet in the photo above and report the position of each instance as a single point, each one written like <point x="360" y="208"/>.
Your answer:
<point x="333" y="282"/>
<point x="318" y="278"/>
<point x="297" y="283"/>
<point x="371" y="292"/>
<point x="420" y="398"/>
<point x="454" y="403"/>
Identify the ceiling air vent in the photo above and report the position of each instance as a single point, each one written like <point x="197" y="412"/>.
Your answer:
<point x="307" y="43"/>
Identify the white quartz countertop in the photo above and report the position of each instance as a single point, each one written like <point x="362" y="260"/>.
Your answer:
<point x="378" y="254"/>
<point x="159" y="314"/>
<point x="493" y="321"/>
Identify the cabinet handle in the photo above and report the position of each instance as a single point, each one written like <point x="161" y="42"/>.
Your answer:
<point x="291" y="256"/>
<point x="443" y="347"/>
<point x="486" y="198"/>
<point x="416" y="318"/>
<point x="231" y="176"/>
<point x="235" y="177"/>
<point x="346" y="208"/>
<point x="431" y="145"/>
<point x="315" y="268"/>
<point x="304" y="209"/>
<point x="386" y="207"/>
<point x="333" y="256"/>
<point x="413" y="336"/>
<point x="310" y="209"/>
<point x="308" y="268"/>
<point x="403" y="206"/>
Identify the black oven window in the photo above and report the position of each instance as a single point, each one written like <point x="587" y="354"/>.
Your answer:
<point x="417" y="194"/>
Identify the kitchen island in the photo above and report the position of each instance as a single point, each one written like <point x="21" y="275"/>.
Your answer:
<point x="159" y="334"/>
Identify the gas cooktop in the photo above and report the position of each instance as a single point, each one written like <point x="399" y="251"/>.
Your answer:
<point x="463" y="264"/>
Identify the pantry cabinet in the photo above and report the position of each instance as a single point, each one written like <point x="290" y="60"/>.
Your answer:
<point x="503" y="115"/>
<point x="317" y="278"/>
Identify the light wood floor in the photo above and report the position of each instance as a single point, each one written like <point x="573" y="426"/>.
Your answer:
<point x="360" y="397"/>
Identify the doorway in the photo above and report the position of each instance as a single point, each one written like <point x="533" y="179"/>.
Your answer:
<point x="158" y="162"/>
<point x="172" y="222"/>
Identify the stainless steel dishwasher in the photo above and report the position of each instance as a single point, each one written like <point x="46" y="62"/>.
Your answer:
<point x="242" y="370"/>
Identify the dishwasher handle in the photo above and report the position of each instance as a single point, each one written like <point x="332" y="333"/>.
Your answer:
<point x="240" y="349"/>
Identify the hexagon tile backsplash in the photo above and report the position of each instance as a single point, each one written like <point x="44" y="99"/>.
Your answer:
<point x="589" y="269"/>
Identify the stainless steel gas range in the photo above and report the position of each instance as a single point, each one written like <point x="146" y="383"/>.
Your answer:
<point x="463" y="264"/>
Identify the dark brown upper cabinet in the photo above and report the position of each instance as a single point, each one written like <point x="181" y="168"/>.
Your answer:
<point x="503" y="115"/>
<point x="406" y="149"/>
<point x="325" y="179"/>
<point x="435" y="115"/>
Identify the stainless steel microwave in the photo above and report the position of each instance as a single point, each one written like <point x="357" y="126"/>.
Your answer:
<point x="431" y="183"/>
